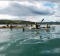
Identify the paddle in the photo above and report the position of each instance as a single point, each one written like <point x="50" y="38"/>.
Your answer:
<point x="42" y="21"/>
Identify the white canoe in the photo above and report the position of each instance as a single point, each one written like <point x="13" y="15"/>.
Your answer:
<point x="41" y="28"/>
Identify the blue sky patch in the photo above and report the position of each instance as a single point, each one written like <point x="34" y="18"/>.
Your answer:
<point x="49" y="4"/>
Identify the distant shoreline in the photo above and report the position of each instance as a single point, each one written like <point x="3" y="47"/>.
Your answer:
<point x="21" y="22"/>
<point x="43" y="23"/>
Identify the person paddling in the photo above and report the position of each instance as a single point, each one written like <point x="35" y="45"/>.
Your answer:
<point x="23" y="29"/>
<point x="37" y="26"/>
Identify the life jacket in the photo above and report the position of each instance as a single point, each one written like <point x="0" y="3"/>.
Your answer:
<point x="34" y="26"/>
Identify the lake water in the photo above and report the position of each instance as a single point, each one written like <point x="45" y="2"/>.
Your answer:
<point x="15" y="42"/>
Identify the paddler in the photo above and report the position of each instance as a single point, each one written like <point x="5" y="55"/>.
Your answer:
<point x="23" y="29"/>
<point x="47" y="26"/>
<point x="35" y="26"/>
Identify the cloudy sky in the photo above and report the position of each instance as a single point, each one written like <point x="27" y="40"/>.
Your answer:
<point x="30" y="10"/>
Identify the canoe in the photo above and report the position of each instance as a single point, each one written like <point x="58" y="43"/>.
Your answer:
<point x="41" y="28"/>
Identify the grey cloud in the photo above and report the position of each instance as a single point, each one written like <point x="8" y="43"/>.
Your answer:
<point x="16" y="9"/>
<point x="42" y="12"/>
<point x="33" y="0"/>
<point x="48" y="0"/>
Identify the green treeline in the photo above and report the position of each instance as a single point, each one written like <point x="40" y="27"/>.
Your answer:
<point x="15" y="22"/>
<point x="51" y="23"/>
<point x="26" y="22"/>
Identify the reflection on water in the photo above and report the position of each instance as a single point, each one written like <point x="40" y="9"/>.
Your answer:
<point x="15" y="42"/>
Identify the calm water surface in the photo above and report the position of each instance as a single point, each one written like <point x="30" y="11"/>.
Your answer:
<point x="15" y="42"/>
